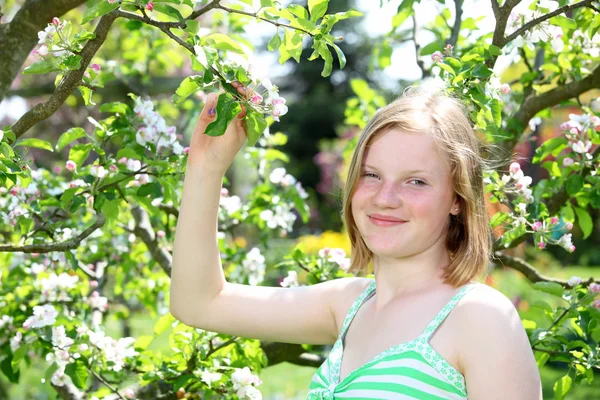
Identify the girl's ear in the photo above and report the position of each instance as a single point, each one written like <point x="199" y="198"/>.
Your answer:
<point x="455" y="209"/>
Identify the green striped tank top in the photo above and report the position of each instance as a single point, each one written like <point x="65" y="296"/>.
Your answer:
<point x="409" y="370"/>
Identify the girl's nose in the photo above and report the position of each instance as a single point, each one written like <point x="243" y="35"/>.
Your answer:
<point x="388" y="196"/>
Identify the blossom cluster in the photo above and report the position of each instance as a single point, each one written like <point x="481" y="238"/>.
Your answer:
<point x="517" y="182"/>
<point x="154" y="129"/>
<point x="577" y="131"/>
<point x="51" y="40"/>
<point x="336" y="256"/>
<point x="544" y="31"/>
<point x="281" y="216"/>
<point x="279" y="176"/>
<point x="244" y="383"/>
<point x="593" y="287"/>
<point x="291" y="280"/>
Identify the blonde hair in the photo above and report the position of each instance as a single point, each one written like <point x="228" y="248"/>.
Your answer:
<point x="434" y="113"/>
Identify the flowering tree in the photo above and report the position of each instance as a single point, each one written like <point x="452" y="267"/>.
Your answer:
<point x="92" y="240"/>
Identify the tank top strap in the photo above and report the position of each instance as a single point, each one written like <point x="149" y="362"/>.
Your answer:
<point x="364" y="296"/>
<point x="441" y="316"/>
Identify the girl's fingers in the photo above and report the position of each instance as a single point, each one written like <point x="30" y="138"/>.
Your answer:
<point x="208" y="112"/>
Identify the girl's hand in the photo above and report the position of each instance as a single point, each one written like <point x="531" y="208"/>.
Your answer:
<point x="216" y="153"/>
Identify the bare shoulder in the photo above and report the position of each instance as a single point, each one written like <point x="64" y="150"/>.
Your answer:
<point x="494" y="352"/>
<point x="345" y="292"/>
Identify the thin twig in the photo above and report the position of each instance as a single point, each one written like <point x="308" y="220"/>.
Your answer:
<point x="543" y="18"/>
<point x="278" y="24"/>
<point x="51" y="247"/>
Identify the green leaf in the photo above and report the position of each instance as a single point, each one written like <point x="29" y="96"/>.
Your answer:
<point x="446" y="67"/>
<point x="552" y="146"/>
<point x="326" y="54"/>
<point x="317" y="8"/>
<point x="298" y="11"/>
<point x="495" y="50"/>
<point x="574" y="184"/>
<point x="6" y="367"/>
<point x="79" y="153"/>
<point x="142" y="342"/>
<point x="498" y="219"/>
<point x="405" y="9"/>
<point x="585" y="221"/>
<point x="549" y="287"/>
<point x="496" y="110"/>
<point x="40" y="67"/>
<point x="66" y="198"/>
<point x="18" y="356"/>
<point x="224" y="42"/>
<point x="168" y="10"/>
<point x="163" y="323"/>
<point x="37" y="143"/>
<point x="227" y="109"/>
<point x="188" y="86"/>
<point x="255" y="125"/>
<point x="562" y="387"/>
<point x="110" y="209"/>
<point x="72" y="62"/>
<point x="340" y="55"/>
<point x="266" y="3"/>
<point x="115" y="107"/>
<point x="274" y="43"/>
<point x="78" y="373"/>
<point x="563" y="22"/>
<point x="99" y="8"/>
<point x="86" y="93"/>
<point x="431" y="48"/>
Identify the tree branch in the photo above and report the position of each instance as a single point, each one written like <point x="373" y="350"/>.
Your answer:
<point x="543" y="18"/>
<point x="51" y="247"/>
<point x="69" y="83"/>
<point x="501" y="14"/>
<point x="424" y="71"/>
<point x="143" y="229"/>
<point x="535" y="103"/>
<point x="530" y="272"/>
<point x="19" y="36"/>
<point x="254" y="15"/>
<point x="457" y="22"/>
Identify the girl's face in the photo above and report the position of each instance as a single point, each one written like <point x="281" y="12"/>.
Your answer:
<point x="406" y="178"/>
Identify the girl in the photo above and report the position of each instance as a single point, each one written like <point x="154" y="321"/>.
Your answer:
<point x="414" y="207"/>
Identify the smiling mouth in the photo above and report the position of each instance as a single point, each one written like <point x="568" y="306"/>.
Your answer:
<point x="381" y="222"/>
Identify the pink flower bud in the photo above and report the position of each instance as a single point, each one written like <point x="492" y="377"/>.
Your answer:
<point x="113" y="168"/>
<point x="129" y="393"/>
<point x="186" y="150"/>
<point x="149" y="6"/>
<point x="179" y="136"/>
<point x="91" y="266"/>
<point x="94" y="284"/>
<point x="572" y="249"/>
<point x="43" y="50"/>
<point x="569" y="225"/>
<point x="95" y="67"/>
<point x="567" y="162"/>
<point x="554" y="220"/>
<point x="87" y="75"/>
<point x="514" y="168"/>
<point x="541" y="245"/>
<point x="56" y="21"/>
<point x="224" y="192"/>
<point x="596" y="303"/>
<point x="437" y="56"/>
<point x="14" y="191"/>
<point x="57" y="169"/>
<point x="161" y="234"/>
<point x="505" y="88"/>
<point x="594" y="287"/>
<point x="71" y="165"/>
<point x="122" y="160"/>
<point x="256" y="98"/>
<point x="112" y="1"/>
<point x="537" y="226"/>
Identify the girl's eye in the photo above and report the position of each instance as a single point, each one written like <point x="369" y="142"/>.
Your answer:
<point x="417" y="182"/>
<point x="370" y="174"/>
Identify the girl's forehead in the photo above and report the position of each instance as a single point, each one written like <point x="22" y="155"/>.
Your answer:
<point x="401" y="148"/>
